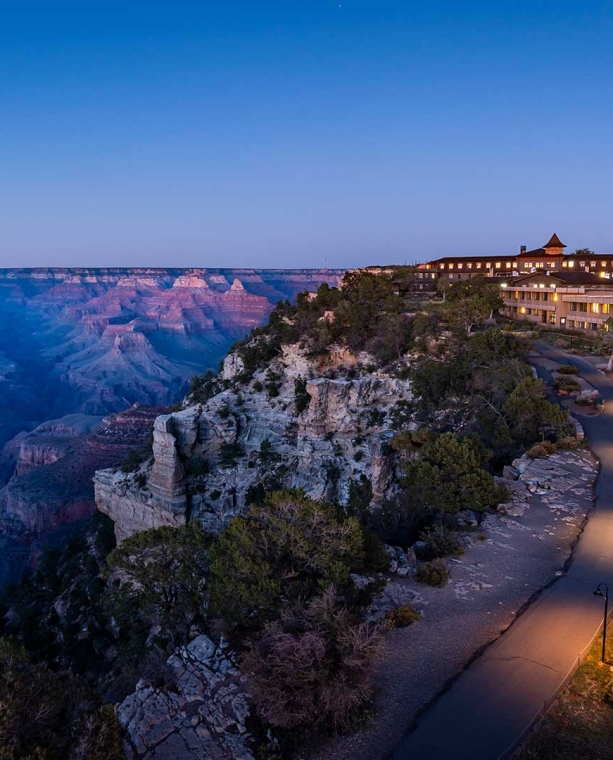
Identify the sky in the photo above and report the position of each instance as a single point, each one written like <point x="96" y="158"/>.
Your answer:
<point x="302" y="133"/>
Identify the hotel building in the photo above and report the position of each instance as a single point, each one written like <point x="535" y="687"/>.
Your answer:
<point x="550" y="258"/>
<point x="545" y="286"/>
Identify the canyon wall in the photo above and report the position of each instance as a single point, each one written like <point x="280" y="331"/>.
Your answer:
<point x="209" y="461"/>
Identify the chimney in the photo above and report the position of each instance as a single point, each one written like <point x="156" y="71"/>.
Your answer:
<point x="522" y="249"/>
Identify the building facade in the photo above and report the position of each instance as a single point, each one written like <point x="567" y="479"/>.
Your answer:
<point x="579" y="301"/>
<point x="550" y="258"/>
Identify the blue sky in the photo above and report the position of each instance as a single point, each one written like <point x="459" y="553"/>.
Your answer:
<point x="273" y="134"/>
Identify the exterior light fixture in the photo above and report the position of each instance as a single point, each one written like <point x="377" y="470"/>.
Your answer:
<point x="605" y="595"/>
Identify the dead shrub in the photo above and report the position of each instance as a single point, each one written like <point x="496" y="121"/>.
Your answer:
<point x="313" y="667"/>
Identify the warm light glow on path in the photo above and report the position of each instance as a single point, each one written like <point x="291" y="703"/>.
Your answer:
<point x="496" y="699"/>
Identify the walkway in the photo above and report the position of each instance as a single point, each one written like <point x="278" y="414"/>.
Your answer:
<point x="490" y="705"/>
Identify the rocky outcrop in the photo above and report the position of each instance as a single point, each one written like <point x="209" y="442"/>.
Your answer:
<point x="52" y="441"/>
<point x="201" y="713"/>
<point x="210" y="460"/>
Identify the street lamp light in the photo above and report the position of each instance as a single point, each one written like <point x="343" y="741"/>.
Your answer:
<point x="605" y="594"/>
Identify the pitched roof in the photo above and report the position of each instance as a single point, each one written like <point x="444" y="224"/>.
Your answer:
<point x="538" y="253"/>
<point x="555" y="242"/>
<point x="567" y="278"/>
<point x="460" y="259"/>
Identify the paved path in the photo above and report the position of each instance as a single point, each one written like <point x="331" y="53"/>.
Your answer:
<point x="492" y="703"/>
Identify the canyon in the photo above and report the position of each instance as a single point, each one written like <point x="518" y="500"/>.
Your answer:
<point x="86" y="354"/>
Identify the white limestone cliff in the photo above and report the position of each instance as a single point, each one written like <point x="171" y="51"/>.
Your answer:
<point x="340" y="437"/>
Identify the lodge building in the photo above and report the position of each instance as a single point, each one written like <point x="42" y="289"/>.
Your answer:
<point x="579" y="301"/>
<point x="549" y="258"/>
<point x="545" y="286"/>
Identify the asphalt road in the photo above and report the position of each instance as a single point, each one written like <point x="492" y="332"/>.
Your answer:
<point x="496" y="699"/>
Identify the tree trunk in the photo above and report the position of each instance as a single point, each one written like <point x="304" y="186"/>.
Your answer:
<point x="610" y="364"/>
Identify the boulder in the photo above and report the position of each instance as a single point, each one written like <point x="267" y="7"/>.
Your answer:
<point x="201" y="714"/>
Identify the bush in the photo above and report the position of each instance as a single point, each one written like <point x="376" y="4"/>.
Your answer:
<point x="132" y="462"/>
<point x="568" y="442"/>
<point x="402" y="617"/>
<point x="449" y="477"/>
<point x="312" y="668"/>
<point x="566" y="385"/>
<point x="442" y="542"/>
<point x="567" y="369"/>
<point x="435" y="573"/>
<point x="301" y="396"/>
<point x="542" y="450"/>
<point x="163" y="575"/>
<point x="50" y="715"/>
<point x="284" y="551"/>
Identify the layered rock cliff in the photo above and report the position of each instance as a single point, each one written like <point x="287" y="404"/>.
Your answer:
<point x="320" y="424"/>
<point x="53" y="488"/>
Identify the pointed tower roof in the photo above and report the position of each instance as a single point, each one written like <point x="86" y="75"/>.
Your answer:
<point x="555" y="242"/>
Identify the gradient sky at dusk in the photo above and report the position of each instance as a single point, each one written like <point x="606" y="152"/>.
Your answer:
<point x="265" y="134"/>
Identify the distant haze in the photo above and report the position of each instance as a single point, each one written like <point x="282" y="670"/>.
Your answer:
<point x="286" y="134"/>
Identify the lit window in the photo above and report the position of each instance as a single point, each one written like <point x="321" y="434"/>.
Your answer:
<point x="565" y="263"/>
<point x="450" y="266"/>
<point x="571" y="263"/>
<point x="469" y="265"/>
<point x="508" y="265"/>
<point x="603" y="263"/>
<point x="498" y="265"/>
<point x="606" y="308"/>
<point x="595" y="308"/>
<point x="488" y="264"/>
<point x="592" y="263"/>
<point x="478" y="265"/>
